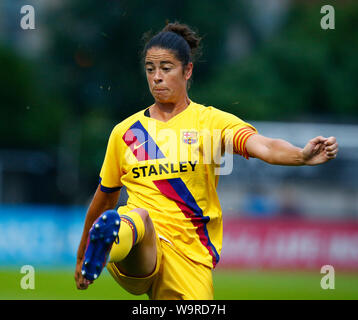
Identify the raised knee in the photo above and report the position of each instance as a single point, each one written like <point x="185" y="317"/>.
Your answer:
<point x="147" y="230"/>
<point x="144" y="214"/>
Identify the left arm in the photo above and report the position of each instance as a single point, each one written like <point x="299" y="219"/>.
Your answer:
<point x="280" y="152"/>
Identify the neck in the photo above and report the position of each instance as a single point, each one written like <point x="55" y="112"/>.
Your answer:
<point x="166" y="111"/>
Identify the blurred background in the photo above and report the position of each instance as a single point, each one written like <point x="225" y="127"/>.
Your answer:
<point x="66" y="83"/>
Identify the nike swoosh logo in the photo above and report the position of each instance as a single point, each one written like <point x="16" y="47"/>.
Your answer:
<point x="138" y="146"/>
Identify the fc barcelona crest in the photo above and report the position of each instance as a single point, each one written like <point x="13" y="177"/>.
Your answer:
<point x="190" y="137"/>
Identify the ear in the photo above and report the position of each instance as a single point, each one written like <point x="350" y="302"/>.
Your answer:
<point x="188" y="71"/>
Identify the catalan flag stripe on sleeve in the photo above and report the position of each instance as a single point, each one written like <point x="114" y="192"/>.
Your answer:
<point x="240" y="139"/>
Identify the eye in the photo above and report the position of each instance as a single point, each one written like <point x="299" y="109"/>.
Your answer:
<point x="166" y="69"/>
<point x="149" y="69"/>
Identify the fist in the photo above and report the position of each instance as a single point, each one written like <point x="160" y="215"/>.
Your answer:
<point x="320" y="150"/>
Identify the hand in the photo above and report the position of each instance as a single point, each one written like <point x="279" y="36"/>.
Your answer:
<point x="320" y="150"/>
<point x="81" y="282"/>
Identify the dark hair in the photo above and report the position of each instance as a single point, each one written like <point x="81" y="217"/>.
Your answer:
<point x="177" y="37"/>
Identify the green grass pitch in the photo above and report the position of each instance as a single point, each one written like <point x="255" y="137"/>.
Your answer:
<point x="228" y="285"/>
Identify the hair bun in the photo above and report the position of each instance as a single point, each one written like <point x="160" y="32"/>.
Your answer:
<point x="187" y="33"/>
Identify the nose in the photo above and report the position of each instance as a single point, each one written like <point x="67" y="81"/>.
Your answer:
<point x="157" y="77"/>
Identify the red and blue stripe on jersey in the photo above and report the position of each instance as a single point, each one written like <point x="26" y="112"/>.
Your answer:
<point x="176" y="190"/>
<point x="141" y="143"/>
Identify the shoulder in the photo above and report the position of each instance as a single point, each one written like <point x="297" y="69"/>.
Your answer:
<point x="212" y="117"/>
<point x="202" y="111"/>
<point x="211" y="113"/>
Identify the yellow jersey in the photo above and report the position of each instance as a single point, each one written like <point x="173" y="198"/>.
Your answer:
<point x="172" y="169"/>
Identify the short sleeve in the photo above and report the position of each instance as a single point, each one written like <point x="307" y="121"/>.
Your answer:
<point x="235" y="131"/>
<point x="110" y="174"/>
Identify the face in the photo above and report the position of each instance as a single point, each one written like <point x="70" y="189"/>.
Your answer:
<point x="167" y="79"/>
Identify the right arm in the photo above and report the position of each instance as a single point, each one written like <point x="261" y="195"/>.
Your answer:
<point x="101" y="202"/>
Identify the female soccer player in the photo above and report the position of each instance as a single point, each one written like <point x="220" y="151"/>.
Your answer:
<point x="167" y="239"/>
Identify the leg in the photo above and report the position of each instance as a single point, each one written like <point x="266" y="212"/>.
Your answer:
<point x="141" y="259"/>
<point x="135" y="251"/>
